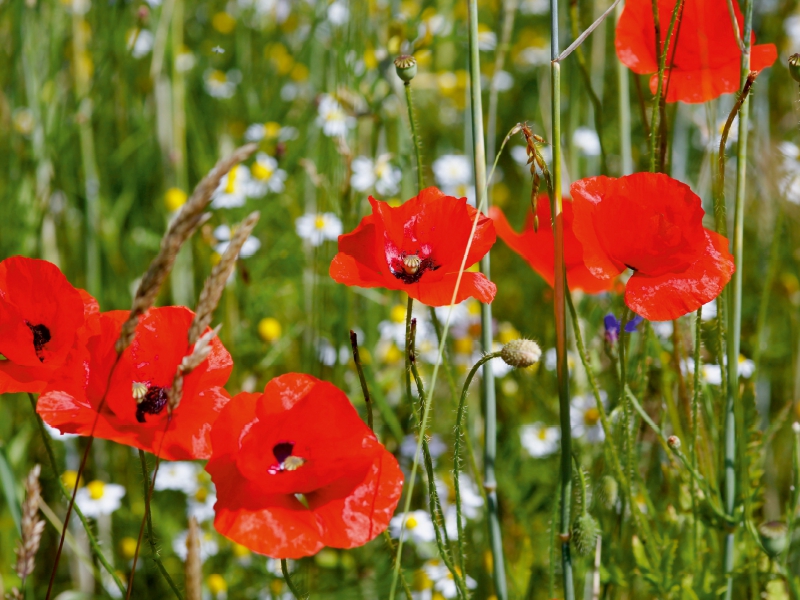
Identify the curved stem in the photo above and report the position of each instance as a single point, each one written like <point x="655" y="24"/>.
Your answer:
<point x="295" y="592"/>
<point x="361" y="378"/>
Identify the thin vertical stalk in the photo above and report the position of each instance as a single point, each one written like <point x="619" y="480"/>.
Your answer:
<point x="414" y="136"/>
<point x="693" y="428"/>
<point x="559" y="303"/>
<point x="292" y="588"/>
<point x="487" y="381"/>
<point x="735" y="306"/>
<point x="361" y="378"/>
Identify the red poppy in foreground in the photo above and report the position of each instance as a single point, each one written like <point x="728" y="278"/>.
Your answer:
<point x="652" y="224"/>
<point x="296" y="469"/>
<point x="41" y="316"/>
<point x="707" y="59"/>
<point x="537" y="248"/>
<point x="135" y="412"/>
<point x="417" y="247"/>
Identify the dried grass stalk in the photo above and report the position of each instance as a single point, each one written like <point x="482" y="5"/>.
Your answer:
<point x="194" y="565"/>
<point x="32" y="526"/>
<point x="189" y="218"/>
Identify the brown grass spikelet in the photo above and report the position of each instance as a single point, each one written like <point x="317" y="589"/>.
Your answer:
<point x="32" y="526"/>
<point x="194" y="565"/>
<point x="188" y="219"/>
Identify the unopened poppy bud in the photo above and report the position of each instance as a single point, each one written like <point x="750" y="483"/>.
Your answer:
<point x="521" y="353"/>
<point x="584" y="533"/>
<point x="607" y="492"/>
<point x="674" y="442"/>
<point x="794" y="67"/>
<point x="773" y="537"/>
<point x="406" y="67"/>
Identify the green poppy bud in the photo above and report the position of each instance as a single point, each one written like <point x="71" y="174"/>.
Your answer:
<point x="606" y="492"/>
<point x="794" y="67"/>
<point x="406" y="67"/>
<point x="584" y="533"/>
<point x="774" y="537"/>
<point x="521" y="353"/>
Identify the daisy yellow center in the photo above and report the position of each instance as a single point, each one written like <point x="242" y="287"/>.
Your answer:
<point x="201" y="495"/>
<point x="380" y="169"/>
<point x="231" y="186"/>
<point x="398" y="314"/>
<point x="96" y="489"/>
<point x="217" y="77"/>
<point x="319" y="222"/>
<point x="216" y="584"/>
<point x="591" y="416"/>
<point x="411" y="523"/>
<point x="335" y="115"/>
<point x="542" y="434"/>
<point x="69" y="479"/>
<point x="272" y="129"/>
<point x="261" y="171"/>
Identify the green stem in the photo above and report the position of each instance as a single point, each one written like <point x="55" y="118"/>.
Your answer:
<point x="361" y="378"/>
<point x="794" y="501"/>
<point x="95" y="546"/>
<point x="735" y="308"/>
<point x="559" y="289"/>
<point x="654" y="127"/>
<point x="462" y="406"/>
<point x="414" y="136"/>
<point x="624" y="96"/>
<point x="295" y="592"/>
<point x="582" y="483"/>
<point x="487" y="381"/>
<point x="693" y="427"/>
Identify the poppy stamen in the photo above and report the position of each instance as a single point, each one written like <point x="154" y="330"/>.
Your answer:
<point x="286" y="462"/>
<point x="410" y="267"/>
<point x="41" y="335"/>
<point x="151" y="401"/>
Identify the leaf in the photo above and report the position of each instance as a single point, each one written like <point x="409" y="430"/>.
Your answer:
<point x="10" y="489"/>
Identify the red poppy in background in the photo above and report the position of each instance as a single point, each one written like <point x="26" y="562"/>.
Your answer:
<point x="537" y="248"/>
<point x="417" y="247"/>
<point x="296" y="469"/>
<point x="653" y="225"/>
<point x="134" y="412"/>
<point x="707" y="59"/>
<point x="41" y="317"/>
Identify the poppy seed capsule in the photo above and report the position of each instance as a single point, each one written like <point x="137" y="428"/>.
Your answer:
<point x="406" y="67"/>
<point x="794" y="67"/>
<point x="674" y="442"/>
<point x="774" y="537"/>
<point x="411" y="264"/>
<point x="521" y="353"/>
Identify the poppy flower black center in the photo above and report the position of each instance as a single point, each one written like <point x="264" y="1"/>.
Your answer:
<point x="286" y="462"/>
<point x="152" y="403"/>
<point x="409" y="268"/>
<point x="41" y="335"/>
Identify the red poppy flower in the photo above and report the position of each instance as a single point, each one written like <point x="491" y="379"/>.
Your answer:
<point x="41" y="316"/>
<point x="296" y="469"/>
<point x="537" y="248"/>
<point x="707" y="60"/>
<point x="134" y="412"/>
<point x="417" y="247"/>
<point x="652" y="224"/>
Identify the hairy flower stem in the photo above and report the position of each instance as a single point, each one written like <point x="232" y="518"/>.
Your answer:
<point x="654" y="125"/>
<point x="93" y="543"/>
<point x="735" y="303"/>
<point x="489" y="399"/>
<point x="361" y="378"/>
<point x="462" y="407"/>
<point x="693" y="428"/>
<point x="292" y="588"/>
<point x="559" y="305"/>
<point x="414" y="136"/>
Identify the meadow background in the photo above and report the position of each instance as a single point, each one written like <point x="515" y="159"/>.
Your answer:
<point x="111" y="111"/>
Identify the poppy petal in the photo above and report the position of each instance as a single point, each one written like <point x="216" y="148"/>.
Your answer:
<point x="672" y="295"/>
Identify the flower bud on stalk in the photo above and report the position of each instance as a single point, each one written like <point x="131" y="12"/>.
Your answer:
<point x="406" y="67"/>
<point x="521" y="353"/>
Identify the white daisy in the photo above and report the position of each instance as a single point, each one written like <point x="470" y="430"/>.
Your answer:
<point x="265" y="176"/>
<point x="208" y="545"/>
<point x="503" y="81"/>
<point x="452" y="170"/>
<point x="332" y="118"/>
<point x="219" y="84"/>
<point x="534" y="7"/>
<point x="319" y="227"/>
<point x="789" y="182"/>
<point x="709" y="310"/>
<point x="140" y="42"/>
<point x="585" y="418"/>
<point x="233" y="188"/>
<point x="338" y="13"/>
<point x="443" y="581"/>
<point x="663" y="329"/>
<point x="540" y="440"/>
<point x="792" y="27"/>
<point x="201" y="505"/>
<point x="419" y="527"/>
<point x="98" y="498"/>
<point x="179" y="475"/>
<point x="534" y="56"/>
<point x="381" y="174"/>
<point x="586" y="141"/>
<point x="223" y="235"/>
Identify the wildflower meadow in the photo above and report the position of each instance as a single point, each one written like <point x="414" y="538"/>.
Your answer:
<point x="400" y="299"/>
